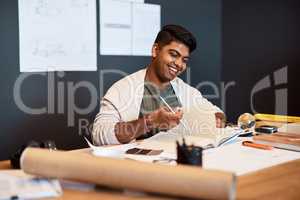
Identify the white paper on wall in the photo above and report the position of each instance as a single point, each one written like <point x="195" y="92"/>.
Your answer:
<point x="135" y="1"/>
<point x="128" y="28"/>
<point x="146" y="25"/>
<point x="115" y="27"/>
<point x="57" y="35"/>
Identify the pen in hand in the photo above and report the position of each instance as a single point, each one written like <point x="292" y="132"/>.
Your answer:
<point x="171" y="110"/>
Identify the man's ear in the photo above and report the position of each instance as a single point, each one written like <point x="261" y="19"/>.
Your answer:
<point x="155" y="50"/>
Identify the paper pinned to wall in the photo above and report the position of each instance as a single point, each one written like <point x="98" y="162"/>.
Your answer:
<point x="123" y="31"/>
<point x="135" y="1"/>
<point x="146" y="25"/>
<point x="57" y="35"/>
<point x="115" y="27"/>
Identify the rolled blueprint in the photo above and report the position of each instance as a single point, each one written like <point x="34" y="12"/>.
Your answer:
<point x="180" y="180"/>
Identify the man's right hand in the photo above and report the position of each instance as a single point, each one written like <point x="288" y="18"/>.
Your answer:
<point x="164" y="119"/>
<point x="161" y="118"/>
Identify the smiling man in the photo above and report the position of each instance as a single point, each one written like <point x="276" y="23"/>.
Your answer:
<point x="133" y="107"/>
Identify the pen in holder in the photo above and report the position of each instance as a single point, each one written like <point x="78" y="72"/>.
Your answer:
<point x="189" y="154"/>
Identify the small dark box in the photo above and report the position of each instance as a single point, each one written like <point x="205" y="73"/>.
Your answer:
<point x="266" y="129"/>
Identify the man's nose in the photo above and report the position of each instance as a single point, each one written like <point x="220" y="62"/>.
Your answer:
<point x="179" y="63"/>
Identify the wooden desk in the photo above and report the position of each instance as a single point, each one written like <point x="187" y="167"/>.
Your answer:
<point x="277" y="182"/>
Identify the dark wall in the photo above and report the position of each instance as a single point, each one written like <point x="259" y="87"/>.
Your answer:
<point x="203" y="18"/>
<point x="260" y="37"/>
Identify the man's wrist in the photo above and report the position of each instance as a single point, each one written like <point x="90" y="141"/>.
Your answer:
<point x="148" y="123"/>
<point x="221" y="119"/>
<point x="221" y="116"/>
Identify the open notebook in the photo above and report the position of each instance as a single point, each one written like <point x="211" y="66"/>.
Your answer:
<point x="199" y="129"/>
<point x="167" y="140"/>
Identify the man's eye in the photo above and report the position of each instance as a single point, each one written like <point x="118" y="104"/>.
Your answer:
<point x="185" y="61"/>
<point x="173" y="54"/>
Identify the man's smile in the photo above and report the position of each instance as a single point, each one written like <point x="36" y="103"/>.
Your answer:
<point x="173" y="70"/>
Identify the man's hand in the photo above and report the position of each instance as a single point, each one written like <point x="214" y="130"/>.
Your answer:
<point x="220" y="120"/>
<point x="164" y="119"/>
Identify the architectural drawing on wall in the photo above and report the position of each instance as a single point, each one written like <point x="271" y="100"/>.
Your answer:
<point x="123" y="30"/>
<point x="48" y="49"/>
<point x="80" y="3"/>
<point x="57" y="35"/>
<point x="44" y="9"/>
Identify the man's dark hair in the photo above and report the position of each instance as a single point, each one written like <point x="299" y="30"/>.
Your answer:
<point x="172" y="32"/>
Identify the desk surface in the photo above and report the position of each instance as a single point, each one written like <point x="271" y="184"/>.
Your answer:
<point x="277" y="182"/>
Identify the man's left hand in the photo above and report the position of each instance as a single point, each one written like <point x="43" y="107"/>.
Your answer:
<point x="220" y="120"/>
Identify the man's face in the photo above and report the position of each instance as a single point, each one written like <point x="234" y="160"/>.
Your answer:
<point x="170" y="60"/>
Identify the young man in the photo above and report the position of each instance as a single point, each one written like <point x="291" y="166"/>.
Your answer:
<point x="133" y="107"/>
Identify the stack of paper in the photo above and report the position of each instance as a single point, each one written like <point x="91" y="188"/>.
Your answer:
<point x="289" y="141"/>
<point x="290" y="128"/>
<point x="241" y="159"/>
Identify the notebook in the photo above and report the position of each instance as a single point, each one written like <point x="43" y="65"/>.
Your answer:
<point x="167" y="140"/>
<point x="199" y="129"/>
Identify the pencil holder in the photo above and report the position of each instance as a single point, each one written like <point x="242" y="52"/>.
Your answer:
<point x="189" y="154"/>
